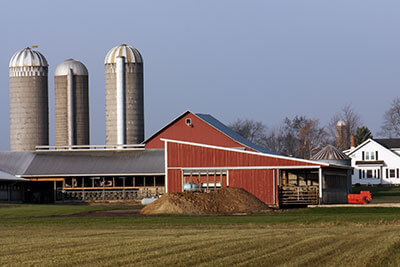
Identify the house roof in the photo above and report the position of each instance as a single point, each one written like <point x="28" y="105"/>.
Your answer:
<point x="389" y="142"/>
<point x="210" y="120"/>
<point x="81" y="163"/>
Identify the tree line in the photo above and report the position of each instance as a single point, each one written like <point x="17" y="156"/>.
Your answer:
<point x="303" y="137"/>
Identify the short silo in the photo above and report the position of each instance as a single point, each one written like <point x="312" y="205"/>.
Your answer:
<point x="342" y="135"/>
<point x="29" y="115"/>
<point x="72" y="103"/>
<point x="124" y="96"/>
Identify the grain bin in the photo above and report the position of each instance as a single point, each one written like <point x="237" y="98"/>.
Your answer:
<point x="29" y="115"/>
<point x="124" y="96"/>
<point x="72" y="103"/>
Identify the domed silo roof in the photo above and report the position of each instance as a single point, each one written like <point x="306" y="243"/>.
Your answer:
<point x="331" y="154"/>
<point x="130" y="53"/>
<point x="77" y="68"/>
<point x="28" y="57"/>
<point x="341" y="123"/>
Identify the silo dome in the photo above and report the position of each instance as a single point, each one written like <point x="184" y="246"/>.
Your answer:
<point x="77" y="68"/>
<point x="331" y="154"/>
<point x="28" y="57"/>
<point x="341" y="123"/>
<point x="130" y="53"/>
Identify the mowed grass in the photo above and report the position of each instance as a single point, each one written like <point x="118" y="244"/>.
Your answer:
<point x="27" y="210"/>
<point x="381" y="194"/>
<point x="304" y="237"/>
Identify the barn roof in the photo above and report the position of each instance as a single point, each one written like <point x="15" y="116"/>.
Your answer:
<point x="213" y="122"/>
<point x="81" y="163"/>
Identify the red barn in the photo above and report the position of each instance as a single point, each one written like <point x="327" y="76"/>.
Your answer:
<point x="274" y="179"/>
<point x="203" y="129"/>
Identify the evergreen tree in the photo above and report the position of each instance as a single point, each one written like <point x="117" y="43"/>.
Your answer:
<point x="362" y="134"/>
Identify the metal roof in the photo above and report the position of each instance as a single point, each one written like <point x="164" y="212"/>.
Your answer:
<point x="232" y="134"/>
<point x="330" y="153"/>
<point x="4" y="176"/>
<point x="130" y="53"/>
<point x="28" y="57"/>
<point x="389" y="142"/>
<point x="83" y="163"/>
<point x="77" y="68"/>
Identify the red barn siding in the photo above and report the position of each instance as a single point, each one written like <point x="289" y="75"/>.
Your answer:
<point x="198" y="132"/>
<point x="257" y="182"/>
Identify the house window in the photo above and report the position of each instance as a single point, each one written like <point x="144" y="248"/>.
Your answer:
<point x="372" y="155"/>
<point x="369" y="173"/>
<point x="392" y="173"/>
<point x="366" y="155"/>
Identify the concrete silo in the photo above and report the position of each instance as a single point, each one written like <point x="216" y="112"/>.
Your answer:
<point x="29" y="114"/>
<point x="124" y="96"/>
<point x="342" y="135"/>
<point x="72" y="103"/>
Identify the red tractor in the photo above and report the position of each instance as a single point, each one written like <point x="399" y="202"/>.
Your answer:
<point x="363" y="198"/>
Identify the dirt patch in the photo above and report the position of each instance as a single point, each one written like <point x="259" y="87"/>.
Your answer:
<point x="224" y="201"/>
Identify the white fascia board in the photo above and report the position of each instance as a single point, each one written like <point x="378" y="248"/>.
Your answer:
<point x="351" y="151"/>
<point x="246" y="152"/>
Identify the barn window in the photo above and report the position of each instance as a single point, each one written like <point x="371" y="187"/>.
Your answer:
<point x="188" y="121"/>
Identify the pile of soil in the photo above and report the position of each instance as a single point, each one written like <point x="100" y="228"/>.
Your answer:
<point x="223" y="201"/>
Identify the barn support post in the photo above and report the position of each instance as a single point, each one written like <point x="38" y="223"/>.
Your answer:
<point x="320" y="178"/>
<point x="273" y="185"/>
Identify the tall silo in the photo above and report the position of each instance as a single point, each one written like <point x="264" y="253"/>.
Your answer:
<point x="124" y="96"/>
<point x="342" y="135"/>
<point x="72" y="103"/>
<point x="29" y="114"/>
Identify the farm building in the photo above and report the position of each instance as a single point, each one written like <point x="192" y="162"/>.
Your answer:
<point x="130" y="172"/>
<point x="376" y="161"/>
<point x="192" y="152"/>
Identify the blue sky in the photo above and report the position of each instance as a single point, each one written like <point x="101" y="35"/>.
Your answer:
<point x="262" y="60"/>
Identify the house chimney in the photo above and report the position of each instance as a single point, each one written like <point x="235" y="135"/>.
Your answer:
<point x="352" y="142"/>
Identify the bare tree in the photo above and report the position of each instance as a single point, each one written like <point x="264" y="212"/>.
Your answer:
<point x="347" y="114"/>
<point x="254" y="131"/>
<point x="391" y="120"/>
<point x="302" y="137"/>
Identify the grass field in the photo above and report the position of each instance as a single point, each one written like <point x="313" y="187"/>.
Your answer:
<point x="34" y="235"/>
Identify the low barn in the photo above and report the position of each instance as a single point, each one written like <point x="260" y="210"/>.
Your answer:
<point x="274" y="179"/>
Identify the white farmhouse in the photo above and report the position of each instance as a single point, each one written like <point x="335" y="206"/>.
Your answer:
<point x="376" y="161"/>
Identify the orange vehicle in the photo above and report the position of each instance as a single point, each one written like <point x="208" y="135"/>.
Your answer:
<point x="363" y="198"/>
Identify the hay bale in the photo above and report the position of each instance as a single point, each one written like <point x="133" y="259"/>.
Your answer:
<point x="223" y="201"/>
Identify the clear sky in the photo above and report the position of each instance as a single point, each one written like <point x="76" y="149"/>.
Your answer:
<point x="262" y="60"/>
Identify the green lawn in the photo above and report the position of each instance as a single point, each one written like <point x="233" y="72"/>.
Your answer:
<point x="381" y="194"/>
<point x="304" y="237"/>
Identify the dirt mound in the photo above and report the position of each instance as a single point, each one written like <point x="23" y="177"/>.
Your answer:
<point x="223" y="201"/>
